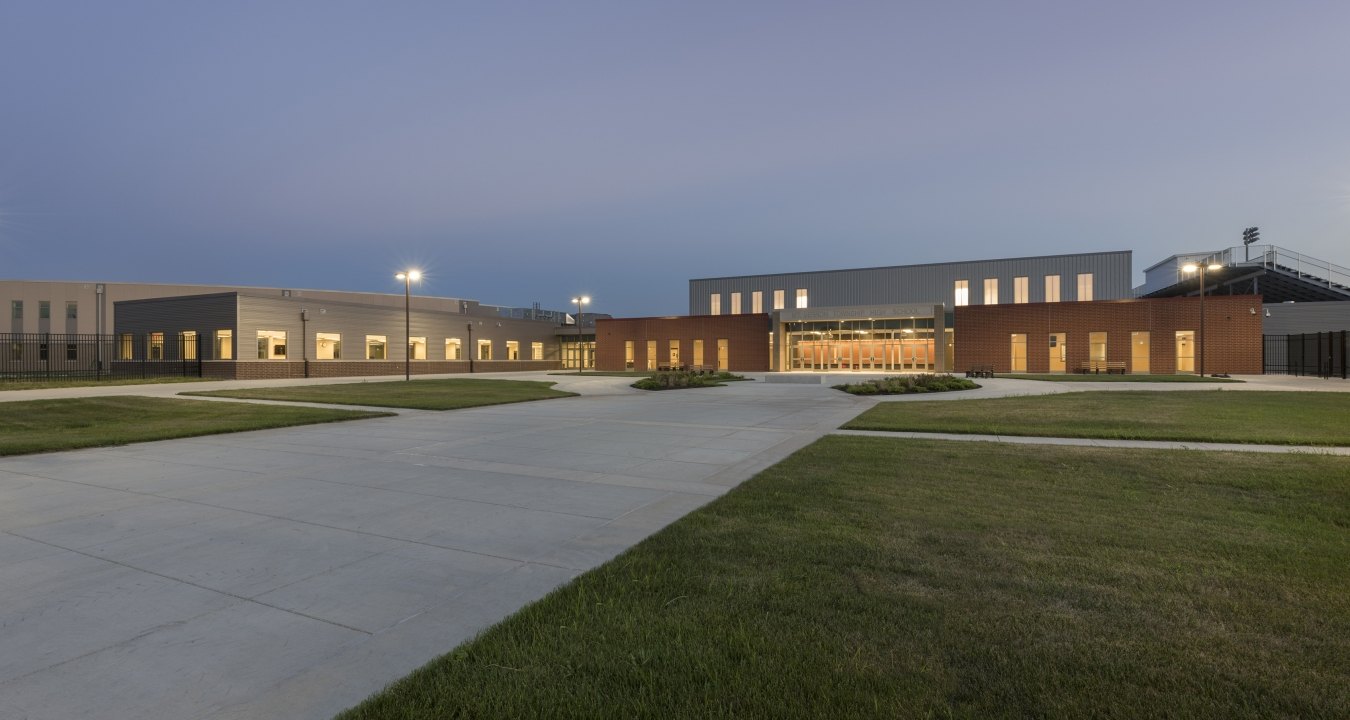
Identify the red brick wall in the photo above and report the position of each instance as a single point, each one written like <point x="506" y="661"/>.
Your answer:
<point x="747" y="339"/>
<point x="1232" y="341"/>
<point x="270" y="369"/>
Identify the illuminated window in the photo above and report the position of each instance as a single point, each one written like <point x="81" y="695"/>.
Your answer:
<point x="512" y="350"/>
<point x="1019" y="352"/>
<point x="628" y="354"/>
<point x="484" y="349"/>
<point x="651" y="354"/>
<point x="991" y="291"/>
<point x="698" y="350"/>
<point x="1185" y="351"/>
<point x="187" y="340"/>
<point x="1097" y="347"/>
<point x="124" y="347"/>
<point x="1139" y="352"/>
<point x="674" y="352"/>
<point x="224" y="344"/>
<point x="417" y="348"/>
<point x="271" y="344"/>
<point x="328" y="346"/>
<point x="536" y="351"/>
<point x="377" y="347"/>
<point x="757" y="302"/>
<point x="1084" y="286"/>
<point x="1021" y="290"/>
<point x="962" y="293"/>
<point x="1052" y="288"/>
<point x="778" y="299"/>
<point x="715" y="304"/>
<point x="453" y="349"/>
<point x="154" y="348"/>
<point x="801" y="297"/>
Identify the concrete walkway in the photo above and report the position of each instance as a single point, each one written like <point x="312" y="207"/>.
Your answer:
<point x="1103" y="442"/>
<point x="292" y="572"/>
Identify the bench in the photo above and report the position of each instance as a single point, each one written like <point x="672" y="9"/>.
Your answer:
<point x="669" y="367"/>
<point x="1097" y="367"/>
<point x="980" y="371"/>
<point x="702" y="369"/>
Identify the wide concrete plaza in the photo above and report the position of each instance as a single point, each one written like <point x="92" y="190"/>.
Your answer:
<point x="290" y="573"/>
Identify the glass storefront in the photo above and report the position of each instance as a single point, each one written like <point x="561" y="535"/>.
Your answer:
<point x="574" y="353"/>
<point x="882" y="344"/>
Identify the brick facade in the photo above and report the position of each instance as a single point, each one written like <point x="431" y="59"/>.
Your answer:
<point x="747" y="339"/>
<point x="1232" y="341"/>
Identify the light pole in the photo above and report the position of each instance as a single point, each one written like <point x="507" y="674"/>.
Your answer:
<point x="408" y="277"/>
<point x="1194" y="267"/>
<point x="580" y="300"/>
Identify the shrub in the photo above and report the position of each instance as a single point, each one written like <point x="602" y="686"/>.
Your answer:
<point x="679" y="379"/>
<point x="905" y="384"/>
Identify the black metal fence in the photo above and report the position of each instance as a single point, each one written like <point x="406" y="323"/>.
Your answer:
<point x="57" y="356"/>
<point x="1319" y="354"/>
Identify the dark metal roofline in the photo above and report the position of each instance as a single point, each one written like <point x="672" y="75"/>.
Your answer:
<point x="174" y="298"/>
<point x="241" y="288"/>
<point x="687" y="317"/>
<point x="919" y="265"/>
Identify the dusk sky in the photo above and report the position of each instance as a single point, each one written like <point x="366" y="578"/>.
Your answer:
<point x="523" y="152"/>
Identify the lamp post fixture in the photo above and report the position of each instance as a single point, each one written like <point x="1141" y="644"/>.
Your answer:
<point x="408" y="277"/>
<point x="580" y="300"/>
<point x="470" y="349"/>
<point x="1202" y="269"/>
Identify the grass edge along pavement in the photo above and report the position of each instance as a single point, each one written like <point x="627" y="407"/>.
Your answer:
<point x="883" y="577"/>
<point x="1263" y="417"/>
<point x="438" y="394"/>
<point x="35" y="426"/>
<point x="6" y="385"/>
<point x="1096" y="377"/>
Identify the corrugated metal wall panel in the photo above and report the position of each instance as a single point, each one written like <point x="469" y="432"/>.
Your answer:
<point x="1300" y="318"/>
<point x="923" y="283"/>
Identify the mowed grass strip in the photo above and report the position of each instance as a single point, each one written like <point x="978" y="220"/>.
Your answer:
<point x="446" y="394"/>
<point x="89" y="382"/>
<point x="32" y="426"/>
<point x="1097" y="377"/>
<point x="877" y="577"/>
<point x="1278" y="418"/>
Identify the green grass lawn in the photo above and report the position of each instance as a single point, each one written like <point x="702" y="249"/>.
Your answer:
<point x="447" y="394"/>
<point x="1076" y="377"/>
<point x="1282" y="418"/>
<point x="47" y="384"/>
<point x="32" y="426"/>
<point x="879" y="577"/>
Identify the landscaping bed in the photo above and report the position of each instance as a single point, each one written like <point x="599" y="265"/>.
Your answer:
<point x="445" y="394"/>
<point x="680" y="380"/>
<point x="907" y="384"/>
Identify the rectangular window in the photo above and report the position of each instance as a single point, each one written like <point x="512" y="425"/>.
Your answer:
<point x="72" y="352"/>
<point x="377" y="347"/>
<point x="674" y="352"/>
<point x="1139" y="352"/>
<point x="778" y="299"/>
<point x="42" y="351"/>
<point x="698" y="350"/>
<point x="271" y="344"/>
<point x="1019" y="353"/>
<point x="536" y="351"/>
<point x="801" y="297"/>
<point x="991" y="291"/>
<point x="484" y="349"/>
<point x="44" y="309"/>
<point x="512" y="349"/>
<point x="961" y="293"/>
<point x="1084" y="286"/>
<point x="735" y="303"/>
<point x="124" y="347"/>
<point x="715" y="304"/>
<point x="757" y="302"/>
<point x="723" y="354"/>
<point x="224" y="344"/>
<point x="651" y="354"/>
<point x="1059" y="352"/>
<point x="417" y="348"/>
<point x="72" y="310"/>
<point x="1185" y="351"/>
<point x="628" y="358"/>
<point x="1052" y="288"/>
<point x="154" y="346"/>
<point x="16" y="309"/>
<point x="1097" y="347"/>
<point x="1021" y="290"/>
<point x="453" y="349"/>
<point x="187" y="340"/>
<point x="328" y="346"/>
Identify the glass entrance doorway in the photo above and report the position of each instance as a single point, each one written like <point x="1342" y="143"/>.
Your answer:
<point x="877" y="345"/>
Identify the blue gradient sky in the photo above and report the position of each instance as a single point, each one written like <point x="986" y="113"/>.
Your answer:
<point x="523" y="152"/>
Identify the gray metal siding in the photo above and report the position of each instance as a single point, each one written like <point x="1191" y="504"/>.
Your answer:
<point x="204" y="314"/>
<point x="354" y="322"/>
<point x="923" y="283"/>
<point x="1299" y="318"/>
